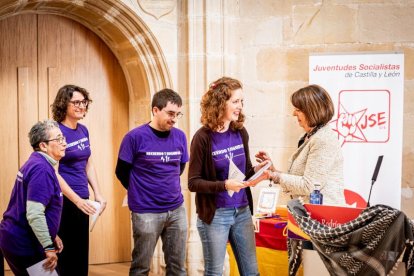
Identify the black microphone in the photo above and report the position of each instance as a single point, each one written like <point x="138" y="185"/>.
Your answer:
<point x="377" y="168"/>
<point x="374" y="176"/>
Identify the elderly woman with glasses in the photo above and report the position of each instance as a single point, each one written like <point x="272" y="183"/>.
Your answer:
<point x="28" y="231"/>
<point x="77" y="170"/>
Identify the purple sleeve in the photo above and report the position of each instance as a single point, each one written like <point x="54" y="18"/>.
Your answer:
<point x="127" y="149"/>
<point x="84" y="130"/>
<point x="40" y="186"/>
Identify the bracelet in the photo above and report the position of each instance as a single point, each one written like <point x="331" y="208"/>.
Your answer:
<point x="50" y="248"/>
<point x="276" y="177"/>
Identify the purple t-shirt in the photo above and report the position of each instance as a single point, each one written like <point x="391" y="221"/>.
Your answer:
<point x="154" y="181"/>
<point x="72" y="167"/>
<point x="225" y="146"/>
<point x="36" y="181"/>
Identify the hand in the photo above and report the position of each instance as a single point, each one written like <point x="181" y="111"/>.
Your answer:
<point x="99" y="198"/>
<point x="266" y="175"/>
<point x="262" y="157"/>
<point x="58" y="244"/>
<point x="234" y="185"/>
<point x="260" y="165"/>
<point x="85" y="207"/>
<point x="51" y="260"/>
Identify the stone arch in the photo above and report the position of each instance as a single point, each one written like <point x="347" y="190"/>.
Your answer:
<point x="131" y="41"/>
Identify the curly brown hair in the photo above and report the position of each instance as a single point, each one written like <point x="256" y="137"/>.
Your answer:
<point x="60" y="104"/>
<point x="213" y="104"/>
<point x="315" y="103"/>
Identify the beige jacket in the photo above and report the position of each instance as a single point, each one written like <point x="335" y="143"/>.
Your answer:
<point x="319" y="159"/>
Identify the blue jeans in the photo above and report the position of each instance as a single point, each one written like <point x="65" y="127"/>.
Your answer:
<point x="147" y="228"/>
<point x="235" y="225"/>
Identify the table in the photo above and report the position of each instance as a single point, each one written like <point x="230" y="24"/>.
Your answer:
<point x="271" y="248"/>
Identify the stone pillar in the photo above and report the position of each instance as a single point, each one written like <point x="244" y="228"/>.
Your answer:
<point x="207" y="50"/>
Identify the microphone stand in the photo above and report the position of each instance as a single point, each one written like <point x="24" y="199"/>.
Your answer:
<point x="374" y="176"/>
<point x="370" y="190"/>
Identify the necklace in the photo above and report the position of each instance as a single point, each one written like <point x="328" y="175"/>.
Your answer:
<point x="309" y="134"/>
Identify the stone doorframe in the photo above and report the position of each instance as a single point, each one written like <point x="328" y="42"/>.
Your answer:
<point x="130" y="40"/>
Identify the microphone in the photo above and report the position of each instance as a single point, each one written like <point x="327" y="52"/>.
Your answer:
<point x="377" y="168"/>
<point x="374" y="176"/>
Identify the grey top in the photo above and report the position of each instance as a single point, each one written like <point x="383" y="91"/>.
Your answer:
<point x="35" y="214"/>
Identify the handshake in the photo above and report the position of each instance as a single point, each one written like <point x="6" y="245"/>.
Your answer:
<point x="262" y="174"/>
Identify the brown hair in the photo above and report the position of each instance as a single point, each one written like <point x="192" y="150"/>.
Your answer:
<point x="60" y="104"/>
<point x="315" y="103"/>
<point x="213" y="104"/>
<point x="162" y="97"/>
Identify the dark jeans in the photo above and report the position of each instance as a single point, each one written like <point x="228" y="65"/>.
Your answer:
<point x="171" y="226"/>
<point x="74" y="232"/>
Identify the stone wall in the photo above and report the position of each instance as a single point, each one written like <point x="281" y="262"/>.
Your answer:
<point x="266" y="44"/>
<point x="276" y="42"/>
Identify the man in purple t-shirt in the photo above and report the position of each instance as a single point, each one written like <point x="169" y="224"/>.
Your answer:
<point x="150" y="162"/>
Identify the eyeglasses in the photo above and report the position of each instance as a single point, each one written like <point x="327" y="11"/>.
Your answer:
<point x="60" y="140"/>
<point x="85" y="103"/>
<point x="174" y="115"/>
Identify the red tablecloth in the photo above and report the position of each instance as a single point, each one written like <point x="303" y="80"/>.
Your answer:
<point x="272" y="233"/>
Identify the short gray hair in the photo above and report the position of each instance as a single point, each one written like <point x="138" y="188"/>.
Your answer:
<point x="40" y="133"/>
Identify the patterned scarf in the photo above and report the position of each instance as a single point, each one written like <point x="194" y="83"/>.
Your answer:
<point x="371" y="244"/>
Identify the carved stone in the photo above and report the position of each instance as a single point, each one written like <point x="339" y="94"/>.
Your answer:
<point x="157" y="8"/>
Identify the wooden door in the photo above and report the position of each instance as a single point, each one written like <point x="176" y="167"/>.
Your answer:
<point x="39" y="54"/>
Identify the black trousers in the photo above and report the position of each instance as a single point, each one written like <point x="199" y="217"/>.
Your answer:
<point x="1" y="264"/>
<point x="18" y="264"/>
<point x="74" y="232"/>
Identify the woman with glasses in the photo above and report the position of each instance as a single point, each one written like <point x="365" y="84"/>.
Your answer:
<point x="219" y="151"/>
<point x="28" y="231"/>
<point x="318" y="158"/>
<point x="77" y="170"/>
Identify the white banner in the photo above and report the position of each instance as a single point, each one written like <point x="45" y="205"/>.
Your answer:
<point x="368" y="94"/>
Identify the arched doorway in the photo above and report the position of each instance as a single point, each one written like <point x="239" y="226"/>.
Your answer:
<point x="144" y="71"/>
<point x="129" y="39"/>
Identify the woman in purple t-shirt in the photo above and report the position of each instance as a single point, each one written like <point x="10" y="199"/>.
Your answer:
<point x="77" y="170"/>
<point x="28" y="231"/>
<point x="219" y="151"/>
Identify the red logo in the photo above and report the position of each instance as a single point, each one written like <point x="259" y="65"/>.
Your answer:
<point x="363" y="116"/>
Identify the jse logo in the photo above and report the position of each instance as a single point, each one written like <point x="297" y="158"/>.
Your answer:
<point x="363" y="116"/>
